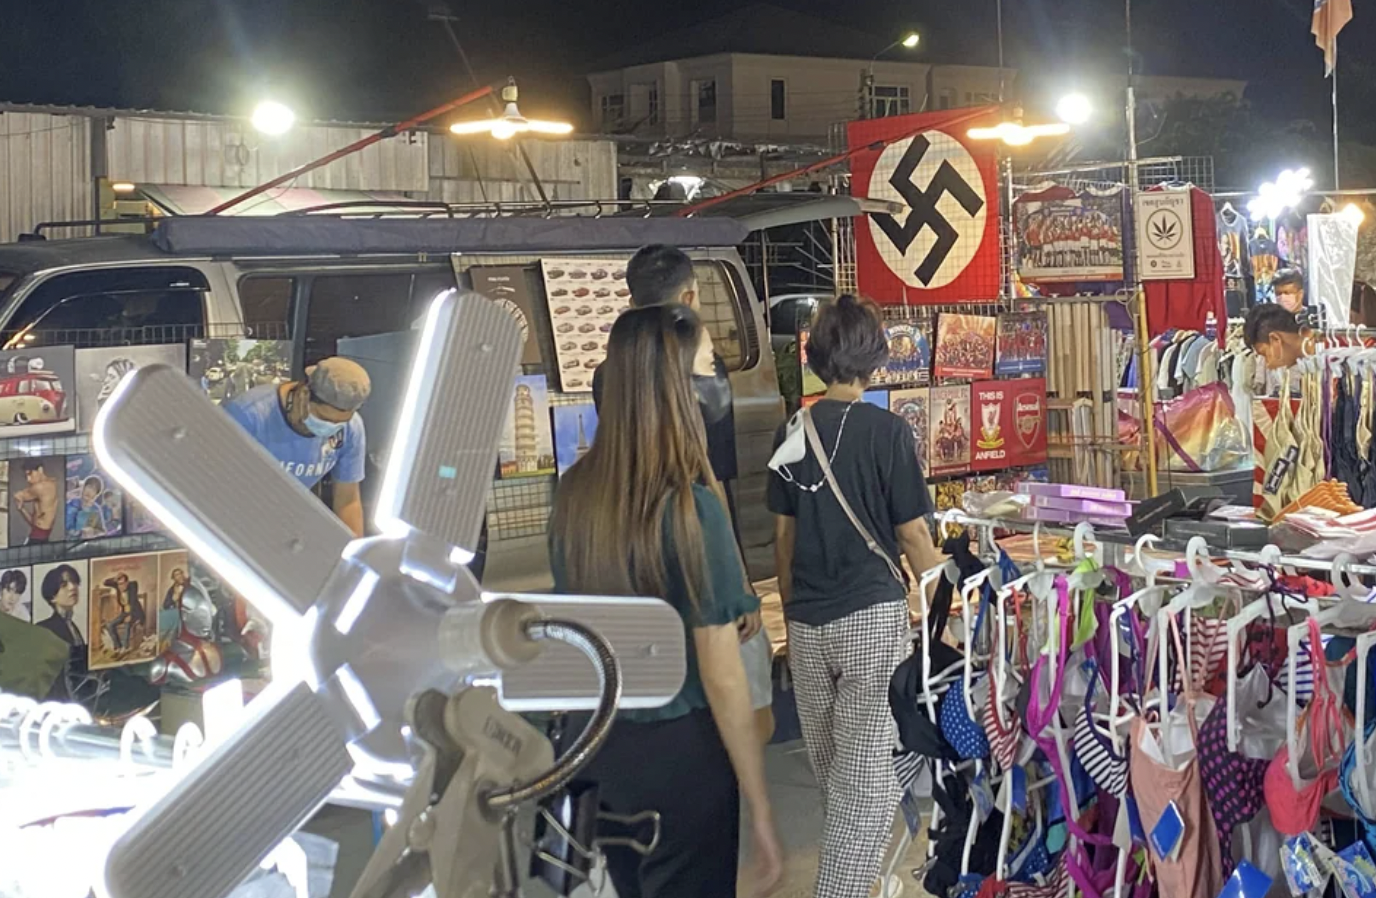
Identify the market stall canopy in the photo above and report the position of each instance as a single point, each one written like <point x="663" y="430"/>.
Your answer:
<point x="759" y="211"/>
<point x="178" y="199"/>
<point x="305" y="235"/>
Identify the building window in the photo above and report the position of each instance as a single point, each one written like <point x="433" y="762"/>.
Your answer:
<point x="946" y="99"/>
<point x="652" y="117"/>
<point x="707" y="102"/>
<point x="890" y="99"/>
<point x="778" y="100"/>
<point x="613" y="108"/>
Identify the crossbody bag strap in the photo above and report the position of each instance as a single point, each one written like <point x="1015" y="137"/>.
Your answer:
<point x="814" y="440"/>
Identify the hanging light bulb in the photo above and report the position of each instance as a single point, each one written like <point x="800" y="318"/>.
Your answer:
<point x="511" y="122"/>
<point x="1016" y="135"/>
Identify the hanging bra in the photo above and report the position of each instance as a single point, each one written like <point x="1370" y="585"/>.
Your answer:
<point x="1003" y="738"/>
<point x="963" y="734"/>
<point x="1348" y="770"/>
<point x="1039" y="718"/>
<point x="1297" y="811"/>
<point x="1233" y="783"/>
<point x="1095" y="751"/>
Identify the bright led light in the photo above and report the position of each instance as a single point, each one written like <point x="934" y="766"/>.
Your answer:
<point x="509" y="125"/>
<point x="1074" y="109"/>
<point x="1015" y="135"/>
<point x="912" y="40"/>
<point x="273" y="118"/>
<point x="123" y="187"/>
<point x="1353" y="213"/>
<point x="1285" y="192"/>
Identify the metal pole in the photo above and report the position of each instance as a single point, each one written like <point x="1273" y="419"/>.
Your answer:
<point x="1145" y="392"/>
<point x="376" y="137"/>
<point x="1337" y="181"/>
<point x="998" y="18"/>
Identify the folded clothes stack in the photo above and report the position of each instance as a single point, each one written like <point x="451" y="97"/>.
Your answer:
<point x="1063" y="503"/>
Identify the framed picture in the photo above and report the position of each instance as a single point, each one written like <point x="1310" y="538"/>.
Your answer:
<point x="123" y="610"/>
<point x="36" y="391"/>
<point x="965" y="347"/>
<point x="512" y="287"/>
<point x="138" y="519"/>
<point x="913" y="406"/>
<point x="910" y="354"/>
<point x="949" y="430"/>
<point x="585" y="296"/>
<point x="527" y="446"/>
<point x="99" y="371"/>
<point x="1021" y="344"/>
<point x="62" y="599"/>
<point x="169" y="592"/>
<point x="16" y="593"/>
<point x="37" y="492"/>
<point x="575" y="426"/>
<point x="95" y="503"/>
<point x="225" y="368"/>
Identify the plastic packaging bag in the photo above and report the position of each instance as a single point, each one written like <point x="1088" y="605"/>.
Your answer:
<point x="1199" y="432"/>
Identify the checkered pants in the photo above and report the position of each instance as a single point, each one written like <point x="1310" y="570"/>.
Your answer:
<point x="841" y="677"/>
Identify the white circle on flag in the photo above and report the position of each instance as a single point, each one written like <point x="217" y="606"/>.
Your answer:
<point x="950" y="165"/>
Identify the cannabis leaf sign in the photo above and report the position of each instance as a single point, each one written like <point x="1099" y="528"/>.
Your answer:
<point x="1164" y="229"/>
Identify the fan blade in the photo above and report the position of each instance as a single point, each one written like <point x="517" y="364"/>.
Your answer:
<point x="240" y="801"/>
<point x="218" y="491"/>
<point x="647" y="635"/>
<point x="458" y="396"/>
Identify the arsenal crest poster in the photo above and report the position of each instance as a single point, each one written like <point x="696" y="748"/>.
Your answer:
<point x="1010" y="418"/>
<point x="944" y="246"/>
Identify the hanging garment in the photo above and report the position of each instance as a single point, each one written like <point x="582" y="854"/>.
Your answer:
<point x="964" y="735"/>
<point x="1309" y="465"/>
<point x="1095" y="750"/>
<point x="1342" y="442"/>
<point x="1297" y="811"/>
<point x="1004" y="735"/>
<point x="1274" y="442"/>
<point x="1197" y="871"/>
<point x="1347" y="775"/>
<point x="1233" y="784"/>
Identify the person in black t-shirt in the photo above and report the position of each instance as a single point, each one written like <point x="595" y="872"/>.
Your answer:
<point x="846" y="605"/>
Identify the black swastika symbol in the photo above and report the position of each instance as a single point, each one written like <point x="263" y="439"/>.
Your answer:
<point x="924" y="213"/>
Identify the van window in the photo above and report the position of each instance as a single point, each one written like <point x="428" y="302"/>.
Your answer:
<point x="720" y="298"/>
<point x="266" y="304"/>
<point x="355" y="305"/>
<point x="157" y="304"/>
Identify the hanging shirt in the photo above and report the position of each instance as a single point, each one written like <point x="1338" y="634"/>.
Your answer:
<point x="1265" y="264"/>
<point x="307" y="458"/>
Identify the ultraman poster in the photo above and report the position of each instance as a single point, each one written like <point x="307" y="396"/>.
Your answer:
<point x="941" y="245"/>
<point x="1010" y="424"/>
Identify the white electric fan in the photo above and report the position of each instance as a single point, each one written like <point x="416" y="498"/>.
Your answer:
<point x="387" y="655"/>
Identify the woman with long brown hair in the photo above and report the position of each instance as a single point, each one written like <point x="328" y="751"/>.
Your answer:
<point x="642" y="514"/>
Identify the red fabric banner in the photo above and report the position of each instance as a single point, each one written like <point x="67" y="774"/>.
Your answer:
<point x="944" y="248"/>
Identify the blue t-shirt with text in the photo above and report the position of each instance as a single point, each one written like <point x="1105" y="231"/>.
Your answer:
<point x="307" y="458"/>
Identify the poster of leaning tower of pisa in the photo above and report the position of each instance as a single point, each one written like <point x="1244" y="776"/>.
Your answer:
<point x="527" y="448"/>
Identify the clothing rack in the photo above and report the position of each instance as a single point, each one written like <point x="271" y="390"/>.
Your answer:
<point x="34" y="735"/>
<point x="1121" y="538"/>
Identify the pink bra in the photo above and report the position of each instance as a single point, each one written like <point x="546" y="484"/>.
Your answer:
<point x="1297" y="811"/>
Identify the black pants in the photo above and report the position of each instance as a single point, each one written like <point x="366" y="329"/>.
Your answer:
<point x="680" y="769"/>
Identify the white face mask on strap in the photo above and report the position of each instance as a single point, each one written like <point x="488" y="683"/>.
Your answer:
<point x="793" y="449"/>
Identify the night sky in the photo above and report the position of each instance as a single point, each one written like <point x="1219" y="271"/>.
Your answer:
<point x="382" y="59"/>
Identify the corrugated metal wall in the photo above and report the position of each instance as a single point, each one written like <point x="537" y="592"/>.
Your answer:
<point x="151" y="150"/>
<point x="45" y="171"/>
<point x="45" y="163"/>
<point x="477" y="171"/>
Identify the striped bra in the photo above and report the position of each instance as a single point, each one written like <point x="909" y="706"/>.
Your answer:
<point x="1095" y="751"/>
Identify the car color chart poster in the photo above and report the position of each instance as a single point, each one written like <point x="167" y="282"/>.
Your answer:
<point x="585" y="296"/>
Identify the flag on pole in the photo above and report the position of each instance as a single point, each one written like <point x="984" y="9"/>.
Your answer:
<point x="1329" y="18"/>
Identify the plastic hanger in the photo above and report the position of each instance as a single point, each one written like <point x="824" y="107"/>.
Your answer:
<point x="1268" y="604"/>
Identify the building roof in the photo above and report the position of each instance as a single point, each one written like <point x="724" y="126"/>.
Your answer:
<point x="757" y="28"/>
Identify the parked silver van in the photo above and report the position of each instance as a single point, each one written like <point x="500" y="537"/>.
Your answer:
<point x="316" y="280"/>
